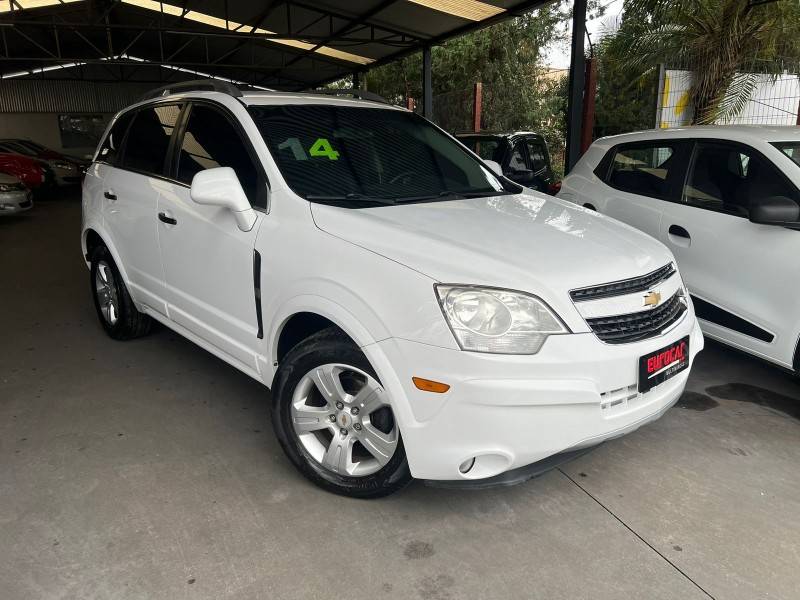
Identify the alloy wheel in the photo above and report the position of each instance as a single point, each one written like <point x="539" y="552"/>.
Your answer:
<point x="342" y="418"/>
<point x="106" y="290"/>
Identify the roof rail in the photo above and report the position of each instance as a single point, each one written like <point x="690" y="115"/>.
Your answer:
<point x="206" y="85"/>
<point x="355" y="93"/>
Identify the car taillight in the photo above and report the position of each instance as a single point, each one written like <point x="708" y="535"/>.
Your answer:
<point x="554" y="188"/>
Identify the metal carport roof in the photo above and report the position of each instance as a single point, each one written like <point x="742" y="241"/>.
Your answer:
<point x="283" y="44"/>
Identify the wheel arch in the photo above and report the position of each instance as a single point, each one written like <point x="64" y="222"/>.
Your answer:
<point x="303" y="316"/>
<point x="93" y="237"/>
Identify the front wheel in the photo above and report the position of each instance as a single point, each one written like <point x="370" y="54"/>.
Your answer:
<point x="115" y="309"/>
<point x="334" y="420"/>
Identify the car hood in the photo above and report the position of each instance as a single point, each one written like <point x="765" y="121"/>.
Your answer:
<point x="529" y="242"/>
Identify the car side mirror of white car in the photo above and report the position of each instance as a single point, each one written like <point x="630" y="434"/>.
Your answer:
<point x="774" y="210"/>
<point x="221" y="187"/>
<point x="494" y="166"/>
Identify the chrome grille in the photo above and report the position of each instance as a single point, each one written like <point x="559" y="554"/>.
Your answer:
<point x="633" y="327"/>
<point x="625" y="286"/>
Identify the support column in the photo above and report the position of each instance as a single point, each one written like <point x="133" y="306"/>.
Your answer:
<point x="477" y="106"/>
<point x="356" y="80"/>
<point x="587" y="124"/>
<point x="576" y="85"/>
<point x="427" y="91"/>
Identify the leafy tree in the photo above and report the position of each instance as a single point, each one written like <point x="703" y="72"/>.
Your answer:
<point x="506" y="58"/>
<point x="624" y="103"/>
<point x="725" y="43"/>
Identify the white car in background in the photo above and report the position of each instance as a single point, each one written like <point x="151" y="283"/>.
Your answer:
<point x="726" y="201"/>
<point x="415" y="314"/>
<point x="14" y="196"/>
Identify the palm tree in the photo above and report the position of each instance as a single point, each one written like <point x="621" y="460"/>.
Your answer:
<point x="724" y="43"/>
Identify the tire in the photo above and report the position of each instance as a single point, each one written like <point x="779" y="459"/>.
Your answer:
<point x="115" y="309"/>
<point x="360" y="454"/>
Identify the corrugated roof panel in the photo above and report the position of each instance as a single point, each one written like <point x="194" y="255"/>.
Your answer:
<point x="32" y="95"/>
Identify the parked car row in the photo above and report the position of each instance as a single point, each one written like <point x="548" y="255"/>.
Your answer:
<point x="27" y="167"/>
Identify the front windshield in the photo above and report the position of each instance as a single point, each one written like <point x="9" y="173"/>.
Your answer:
<point x="790" y="149"/>
<point x="362" y="156"/>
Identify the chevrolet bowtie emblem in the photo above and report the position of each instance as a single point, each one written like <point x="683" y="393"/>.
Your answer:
<point x="652" y="299"/>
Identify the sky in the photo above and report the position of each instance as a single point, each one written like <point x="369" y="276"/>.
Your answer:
<point x="557" y="55"/>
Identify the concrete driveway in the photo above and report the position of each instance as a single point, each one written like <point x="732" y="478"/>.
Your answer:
<point x="148" y="470"/>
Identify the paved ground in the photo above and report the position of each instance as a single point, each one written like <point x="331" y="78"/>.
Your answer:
<point x="148" y="470"/>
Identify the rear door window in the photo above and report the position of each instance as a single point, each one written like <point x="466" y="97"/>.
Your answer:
<point x="642" y="169"/>
<point x="537" y="154"/>
<point x="148" y="138"/>
<point x="517" y="161"/>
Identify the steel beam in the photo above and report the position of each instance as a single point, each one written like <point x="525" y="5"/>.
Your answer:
<point x="577" y="69"/>
<point x="427" y="84"/>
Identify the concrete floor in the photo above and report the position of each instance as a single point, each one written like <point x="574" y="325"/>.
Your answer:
<point x="148" y="470"/>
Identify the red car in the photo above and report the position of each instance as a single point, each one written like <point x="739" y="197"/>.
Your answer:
<point x="28" y="170"/>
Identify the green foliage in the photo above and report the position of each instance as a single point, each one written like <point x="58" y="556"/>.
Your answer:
<point x="723" y="42"/>
<point x="624" y="102"/>
<point x="506" y="58"/>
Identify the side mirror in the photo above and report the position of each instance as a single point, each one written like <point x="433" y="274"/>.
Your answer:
<point x="221" y="187"/>
<point x="774" y="210"/>
<point x="494" y="166"/>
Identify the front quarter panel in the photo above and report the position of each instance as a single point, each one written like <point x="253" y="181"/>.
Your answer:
<point x="370" y="297"/>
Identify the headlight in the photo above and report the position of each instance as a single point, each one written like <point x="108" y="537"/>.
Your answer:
<point x="497" y="321"/>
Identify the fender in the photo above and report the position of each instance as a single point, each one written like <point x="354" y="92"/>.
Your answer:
<point x="344" y="319"/>
<point x="333" y="311"/>
<point x="99" y="230"/>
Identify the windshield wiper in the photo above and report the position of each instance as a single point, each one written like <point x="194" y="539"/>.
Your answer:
<point x="351" y="197"/>
<point x="451" y="194"/>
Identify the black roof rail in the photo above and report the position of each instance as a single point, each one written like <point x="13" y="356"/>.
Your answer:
<point x="197" y="85"/>
<point x="360" y="94"/>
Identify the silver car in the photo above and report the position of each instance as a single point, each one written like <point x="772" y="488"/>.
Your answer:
<point x="14" y="196"/>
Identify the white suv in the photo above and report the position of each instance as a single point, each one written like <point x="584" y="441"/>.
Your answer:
<point x="726" y="200"/>
<point x="415" y="314"/>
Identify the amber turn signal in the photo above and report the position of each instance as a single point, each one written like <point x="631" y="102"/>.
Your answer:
<point x="426" y="385"/>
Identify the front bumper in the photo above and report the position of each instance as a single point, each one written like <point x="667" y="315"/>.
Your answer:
<point x="507" y="412"/>
<point x="15" y="202"/>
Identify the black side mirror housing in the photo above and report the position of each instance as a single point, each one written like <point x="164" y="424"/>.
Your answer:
<point x="774" y="210"/>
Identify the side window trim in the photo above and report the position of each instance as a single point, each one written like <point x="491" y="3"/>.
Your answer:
<point x="261" y="203"/>
<point x="173" y="153"/>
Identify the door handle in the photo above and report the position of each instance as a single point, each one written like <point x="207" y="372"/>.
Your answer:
<point x="679" y="236"/>
<point x="165" y="219"/>
<point x="110" y="195"/>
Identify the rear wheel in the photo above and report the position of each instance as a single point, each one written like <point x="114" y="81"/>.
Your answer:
<point x="334" y="420"/>
<point x="115" y="309"/>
